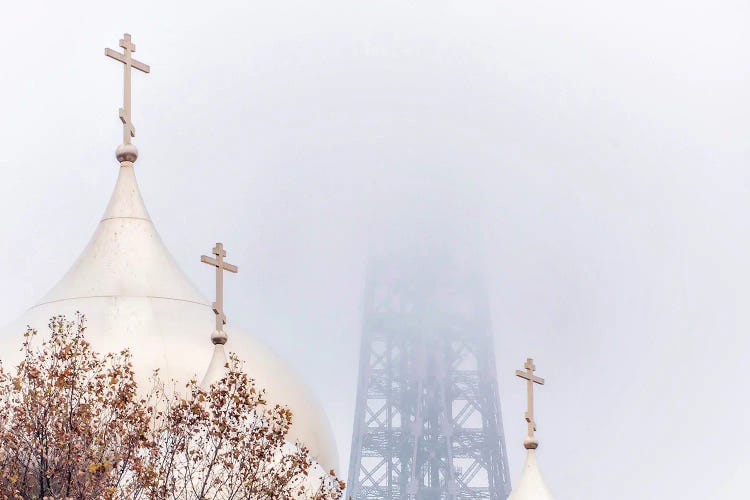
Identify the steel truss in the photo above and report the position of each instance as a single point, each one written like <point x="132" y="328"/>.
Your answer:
<point x="427" y="421"/>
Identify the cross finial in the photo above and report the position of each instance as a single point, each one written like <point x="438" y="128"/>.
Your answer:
<point x="219" y="337"/>
<point x="531" y="379"/>
<point x="127" y="152"/>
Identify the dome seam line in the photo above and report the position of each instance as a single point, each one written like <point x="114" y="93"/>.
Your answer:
<point x="115" y="296"/>
<point x="136" y="218"/>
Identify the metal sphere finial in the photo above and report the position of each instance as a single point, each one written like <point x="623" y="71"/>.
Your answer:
<point x="219" y="337"/>
<point x="531" y="443"/>
<point x="126" y="152"/>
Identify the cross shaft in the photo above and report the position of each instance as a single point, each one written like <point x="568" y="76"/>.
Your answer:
<point x="531" y="379"/>
<point x="221" y="266"/>
<point x="128" y="130"/>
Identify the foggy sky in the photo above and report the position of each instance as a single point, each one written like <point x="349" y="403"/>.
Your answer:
<point x="599" y="149"/>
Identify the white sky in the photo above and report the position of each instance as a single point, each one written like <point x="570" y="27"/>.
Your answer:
<point x="601" y="148"/>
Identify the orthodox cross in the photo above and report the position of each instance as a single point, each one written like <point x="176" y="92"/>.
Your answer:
<point x="221" y="266"/>
<point x="531" y="379"/>
<point x="128" y="130"/>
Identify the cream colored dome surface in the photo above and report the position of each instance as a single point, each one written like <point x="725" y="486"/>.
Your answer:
<point x="531" y="485"/>
<point x="134" y="295"/>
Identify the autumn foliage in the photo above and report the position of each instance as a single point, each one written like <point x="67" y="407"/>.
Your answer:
<point x="73" y="424"/>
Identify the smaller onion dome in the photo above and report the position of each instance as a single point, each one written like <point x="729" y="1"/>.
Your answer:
<point x="531" y="485"/>
<point x="217" y="368"/>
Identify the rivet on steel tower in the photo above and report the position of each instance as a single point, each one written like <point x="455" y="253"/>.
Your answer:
<point x="427" y="422"/>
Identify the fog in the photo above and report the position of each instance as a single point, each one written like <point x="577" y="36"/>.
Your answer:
<point x="594" y="155"/>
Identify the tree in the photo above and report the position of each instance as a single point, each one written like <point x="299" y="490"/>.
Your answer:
<point x="70" y="421"/>
<point x="229" y="442"/>
<point x="74" y="425"/>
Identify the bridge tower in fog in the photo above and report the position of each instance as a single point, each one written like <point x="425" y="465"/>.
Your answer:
<point x="427" y="422"/>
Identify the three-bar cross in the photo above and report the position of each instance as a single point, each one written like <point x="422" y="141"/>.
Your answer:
<point x="221" y="266"/>
<point x="531" y="379"/>
<point x="128" y="130"/>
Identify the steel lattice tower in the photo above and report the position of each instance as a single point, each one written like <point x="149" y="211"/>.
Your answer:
<point x="427" y="421"/>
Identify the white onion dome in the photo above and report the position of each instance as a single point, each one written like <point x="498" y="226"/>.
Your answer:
<point x="134" y="295"/>
<point x="531" y="485"/>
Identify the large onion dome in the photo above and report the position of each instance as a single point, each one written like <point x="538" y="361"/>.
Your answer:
<point x="134" y="295"/>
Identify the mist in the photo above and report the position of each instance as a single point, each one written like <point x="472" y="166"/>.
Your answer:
<point x="591" y="156"/>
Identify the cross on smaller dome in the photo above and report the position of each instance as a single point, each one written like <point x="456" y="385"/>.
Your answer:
<point x="219" y="337"/>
